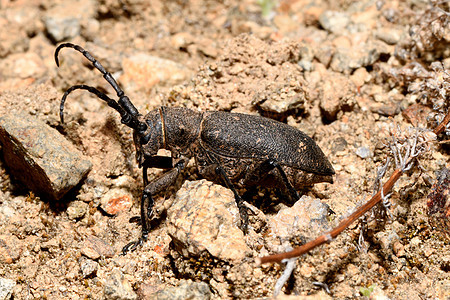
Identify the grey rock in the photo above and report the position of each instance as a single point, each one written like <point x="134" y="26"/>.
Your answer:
<point x="118" y="288"/>
<point x="363" y="152"/>
<point x="40" y="157"/>
<point x="64" y="20"/>
<point x="6" y="288"/>
<point x="61" y="28"/>
<point x="204" y="217"/>
<point x="186" y="290"/>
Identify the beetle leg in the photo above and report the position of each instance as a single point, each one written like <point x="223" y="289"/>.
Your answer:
<point x="154" y="187"/>
<point x="159" y="162"/>
<point x="243" y="210"/>
<point x="262" y="170"/>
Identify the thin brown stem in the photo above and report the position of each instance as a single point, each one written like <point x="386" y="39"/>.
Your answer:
<point x="442" y="125"/>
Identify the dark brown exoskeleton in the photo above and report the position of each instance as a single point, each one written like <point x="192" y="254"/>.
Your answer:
<point x="229" y="148"/>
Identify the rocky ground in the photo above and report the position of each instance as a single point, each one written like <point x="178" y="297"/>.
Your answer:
<point x="352" y="75"/>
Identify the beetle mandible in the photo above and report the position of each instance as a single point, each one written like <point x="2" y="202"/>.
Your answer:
<point x="229" y="148"/>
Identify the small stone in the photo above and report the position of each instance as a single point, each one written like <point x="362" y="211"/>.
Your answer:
<point x="336" y="94"/>
<point x="13" y="38"/>
<point x="20" y="65"/>
<point x="94" y="248"/>
<point x="143" y="71"/>
<point x="40" y="156"/>
<point x="204" y="217"/>
<point x="399" y="249"/>
<point x="305" y="219"/>
<point x="363" y="152"/>
<point x="186" y="290"/>
<point x="116" y="200"/>
<point x="389" y="35"/>
<point x="10" y="249"/>
<point x="52" y="245"/>
<point x="360" y="77"/>
<point x="334" y="21"/>
<point x="77" y="210"/>
<point x="88" y="267"/>
<point x="207" y="47"/>
<point x="117" y="287"/>
<point x="181" y="40"/>
<point x="63" y="21"/>
<point x="6" y="288"/>
<point x="361" y="55"/>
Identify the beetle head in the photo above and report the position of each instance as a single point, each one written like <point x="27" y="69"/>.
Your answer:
<point x="149" y="141"/>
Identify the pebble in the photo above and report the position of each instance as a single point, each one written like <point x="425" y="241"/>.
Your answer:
<point x="360" y="55"/>
<point x="389" y="35"/>
<point x="143" y="71"/>
<point x="20" y="65"/>
<point x="204" y="217"/>
<point x="6" y="288"/>
<point x="116" y="200"/>
<point x="13" y="39"/>
<point x="10" y="248"/>
<point x="363" y="152"/>
<point x="63" y="21"/>
<point x="334" y="21"/>
<point x="336" y="93"/>
<point x="77" y="210"/>
<point x="40" y="156"/>
<point x="306" y="218"/>
<point x="117" y="287"/>
<point x="94" y="248"/>
<point x="186" y="290"/>
<point x="88" y="267"/>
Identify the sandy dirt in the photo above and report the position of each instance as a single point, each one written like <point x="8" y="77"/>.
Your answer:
<point x="348" y="74"/>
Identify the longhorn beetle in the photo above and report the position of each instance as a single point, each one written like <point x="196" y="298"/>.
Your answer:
<point x="229" y="148"/>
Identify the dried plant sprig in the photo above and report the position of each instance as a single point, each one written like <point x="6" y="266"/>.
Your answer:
<point x="290" y="266"/>
<point x="405" y="151"/>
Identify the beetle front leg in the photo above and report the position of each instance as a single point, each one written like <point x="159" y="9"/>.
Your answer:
<point x="163" y="182"/>
<point x="243" y="210"/>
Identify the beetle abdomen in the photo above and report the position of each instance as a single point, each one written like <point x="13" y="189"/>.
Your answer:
<point x="248" y="136"/>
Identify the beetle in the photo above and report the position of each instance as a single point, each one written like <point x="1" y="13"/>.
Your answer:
<point x="233" y="149"/>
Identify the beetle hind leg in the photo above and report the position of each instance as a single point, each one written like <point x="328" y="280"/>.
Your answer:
<point x="262" y="171"/>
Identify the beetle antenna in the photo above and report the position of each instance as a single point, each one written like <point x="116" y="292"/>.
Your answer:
<point x="124" y="106"/>
<point x="112" y="103"/>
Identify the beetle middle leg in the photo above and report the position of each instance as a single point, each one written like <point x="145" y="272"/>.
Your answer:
<point x="163" y="182"/>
